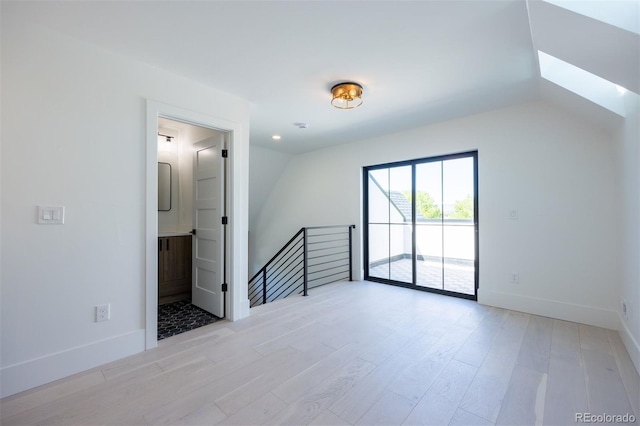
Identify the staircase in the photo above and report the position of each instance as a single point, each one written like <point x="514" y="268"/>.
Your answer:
<point x="314" y="256"/>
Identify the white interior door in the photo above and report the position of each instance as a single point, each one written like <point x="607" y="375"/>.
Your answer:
<point x="208" y="203"/>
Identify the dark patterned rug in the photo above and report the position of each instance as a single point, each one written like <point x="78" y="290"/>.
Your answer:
<point x="178" y="317"/>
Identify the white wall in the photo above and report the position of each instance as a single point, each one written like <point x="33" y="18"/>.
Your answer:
<point x="628" y="209"/>
<point x="556" y="170"/>
<point x="73" y="134"/>
<point x="265" y="168"/>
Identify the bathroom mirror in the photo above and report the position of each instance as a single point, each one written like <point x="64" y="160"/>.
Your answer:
<point x="164" y="187"/>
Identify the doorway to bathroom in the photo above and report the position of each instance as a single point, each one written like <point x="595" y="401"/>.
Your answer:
<point x="191" y="235"/>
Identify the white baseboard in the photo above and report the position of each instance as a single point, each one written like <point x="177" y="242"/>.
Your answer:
<point x="29" y="374"/>
<point x="590" y="315"/>
<point x="630" y="342"/>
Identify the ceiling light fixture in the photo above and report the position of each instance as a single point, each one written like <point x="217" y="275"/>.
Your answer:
<point x="276" y="137"/>
<point x="347" y="95"/>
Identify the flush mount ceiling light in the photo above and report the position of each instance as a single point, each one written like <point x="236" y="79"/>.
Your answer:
<point x="346" y="95"/>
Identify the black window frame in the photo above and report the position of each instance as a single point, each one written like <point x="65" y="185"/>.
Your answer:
<point x="365" y="209"/>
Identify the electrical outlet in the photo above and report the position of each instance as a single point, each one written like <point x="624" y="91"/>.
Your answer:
<point x="103" y="313"/>
<point x="515" y="278"/>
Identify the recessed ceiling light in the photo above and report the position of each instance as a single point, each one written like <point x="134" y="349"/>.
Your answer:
<point x="276" y="137"/>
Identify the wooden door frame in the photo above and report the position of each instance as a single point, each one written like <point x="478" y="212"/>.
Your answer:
<point x="235" y="298"/>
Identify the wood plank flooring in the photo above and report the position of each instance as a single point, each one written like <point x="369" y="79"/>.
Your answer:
<point x="353" y="354"/>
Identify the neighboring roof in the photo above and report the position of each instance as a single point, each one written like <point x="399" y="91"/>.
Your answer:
<point x="400" y="202"/>
<point x="403" y="205"/>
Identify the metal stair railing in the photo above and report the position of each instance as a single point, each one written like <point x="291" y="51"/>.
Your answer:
<point x="314" y="256"/>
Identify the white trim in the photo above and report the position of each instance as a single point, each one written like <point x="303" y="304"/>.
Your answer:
<point x="550" y="308"/>
<point x="29" y="374"/>
<point x="632" y="345"/>
<point x="237" y="299"/>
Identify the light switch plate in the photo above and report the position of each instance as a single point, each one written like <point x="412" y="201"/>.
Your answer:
<point x="51" y="215"/>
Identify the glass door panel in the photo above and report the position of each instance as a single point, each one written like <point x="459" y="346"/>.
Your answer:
<point x="378" y="209"/>
<point x="379" y="250"/>
<point x="401" y="266"/>
<point x="389" y="216"/>
<point x="378" y="196"/>
<point x="400" y="215"/>
<point x="429" y="254"/>
<point x="459" y="229"/>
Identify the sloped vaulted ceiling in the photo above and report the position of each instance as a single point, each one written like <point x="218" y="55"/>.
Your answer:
<point x="419" y="61"/>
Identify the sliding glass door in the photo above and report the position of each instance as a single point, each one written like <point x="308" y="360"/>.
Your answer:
<point x="390" y="224"/>
<point x="422" y="227"/>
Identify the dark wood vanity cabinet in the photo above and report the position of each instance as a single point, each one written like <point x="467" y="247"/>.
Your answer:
<point x="174" y="268"/>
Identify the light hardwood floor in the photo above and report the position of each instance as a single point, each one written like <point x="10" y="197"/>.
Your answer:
<point x="353" y="353"/>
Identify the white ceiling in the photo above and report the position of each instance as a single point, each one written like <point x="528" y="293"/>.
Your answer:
<point x="419" y="61"/>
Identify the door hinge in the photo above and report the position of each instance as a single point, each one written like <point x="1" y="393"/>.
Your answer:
<point x="225" y="287"/>
<point x="225" y="220"/>
<point x="225" y="153"/>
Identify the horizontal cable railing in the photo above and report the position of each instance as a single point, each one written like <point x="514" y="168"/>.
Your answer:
<point x="314" y="256"/>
